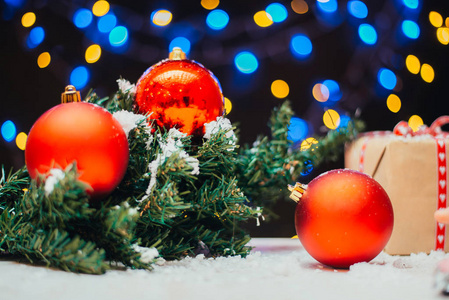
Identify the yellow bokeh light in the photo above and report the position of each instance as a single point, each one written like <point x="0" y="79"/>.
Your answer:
<point x="331" y="119"/>
<point x="413" y="64"/>
<point x="228" y="105"/>
<point x="162" y="17"/>
<point x="435" y="19"/>
<point x="210" y="4"/>
<point x="446" y="22"/>
<point x="100" y="8"/>
<point x="394" y="103"/>
<point x="443" y="35"/>
<point x="93" y="53"/>
<point x="21" y="140"/>
<point x="43" y="60"/>
<point x="307" y="143"/>
<point x="280" y="89"/>
<point x="320" y="92"/>
<point x="28" y="19"/>
<point x="427" y="73"/>
<point x="263" y="19"/>
<point x="415" y="122"/>
<point x="299" y="6"/>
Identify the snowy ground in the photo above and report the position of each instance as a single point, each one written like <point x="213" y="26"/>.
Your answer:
<point x="277" y="269"/>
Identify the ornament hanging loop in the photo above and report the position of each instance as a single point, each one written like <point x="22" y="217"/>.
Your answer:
<point x="177" y="54"/>
<point x="297" y="191"/>
<point x="70" y="95"/>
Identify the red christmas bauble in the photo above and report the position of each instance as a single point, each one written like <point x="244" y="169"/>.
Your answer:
<point x="81" y="132"/>
<point x="344" y="217"/>
<point x="180" y="93"/>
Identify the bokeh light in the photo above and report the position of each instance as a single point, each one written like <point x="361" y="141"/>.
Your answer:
<point x="28" y="19"/>
<point x="82" y="18"/>
<point x="446" y="22"/>
<point x="297" y="130"/>
<point x="308" y="143"/>
<point x="435" y="19"/>
<point x="100" y="8"/>
<point x="410" y="29"/>
<point x="263" y="19"/>
<point x="106" y="23"/>
<point x="367" y="34"/>
<point x="277" y="11"/>
<point x="387" y="78"/>
<point x="394" y="103"/>
<point x="246" y="62"/>
<point x="228" y="105"/>
<point x="180" y="42"/>
<point x="43" y="60"/>
<point x="357" y="9"/>
<point x="8" y="130"/>
<point x="161" y="17"/>
<point x="21" y="140"/>
<point x="210" y="4"/>
<point x="331" y="119"/>
<point x="93" y="53"/>
<point x="217" y="19"/>
<point x="79" y="77"/>
<point x="301" y="46"/>
<point x="412" y="4"/>
<point x="333" y="88"/>
<point x="413" y="64"/>
<point x="118" y="36"/>
<point x="415" y="122"/>
<point x="320" y="92"/>
<point x="36" y="36"/>
<point x="329" y="6"/>
<point x="280" y="88"/>
<point x="427" y="73"/>
<point x="15" y="3"/>
<point x="344" y="121"/>
<point x="443" y="35"/>
<point x="299" y="6"/>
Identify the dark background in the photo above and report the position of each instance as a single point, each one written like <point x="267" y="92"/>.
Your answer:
<point x="28" y="91"/>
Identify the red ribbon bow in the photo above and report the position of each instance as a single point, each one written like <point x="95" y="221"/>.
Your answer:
<point x="403" y="129"/>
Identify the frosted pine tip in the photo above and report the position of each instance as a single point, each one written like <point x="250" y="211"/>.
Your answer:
<point x="70" y="95"/>
<point x="177" y="54"/>
<point x="297" y="191"/>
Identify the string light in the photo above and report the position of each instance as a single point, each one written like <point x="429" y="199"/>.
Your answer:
<point x="307" y="143"/>
<point x="118" y="36"/>
<point x="93" y="53"/>
<point x="443" y="35"/>
<point x="82" y="18"/>
<point x="28" y="19"/>
<point x="180" y="42"/>
<point x="393" y="103"/>
<point x="329" y="6"/>
<point x="36" y="36"/>
<point x="410" y="29"/>
<point x="8" y="130"/>
<point x="331" y="119"/>
<point x="263" y="19"/>
<point x="320" y="92"/>
<point x="79" y="77"/>
<point x="107" y="22"/>
<point x="415" y="122"/>
<point x="297" y="130"/>
<point x="246" y="62"/>
<point x="387" y="78"/>
<point x="210" y="4"/>
<point x="301" y="46"/>
<point x="357" y="9"/>
<point x="412" y="4"/>
<point x="100" y="8"/>
<point x="427" y="73"/>
<point x="280" y="88"/>
<point x="43" y="60"/>
<point x="161" y="17"/>
<point x="228" y="105"/>
<point x="413" y="64"/>
<point x="217" y="19"/>
<point x="333" y="88"/>
<point x="435" y="19"/>
<point x="299" y="6"/>
<point x="21" y="140"/>
<point x="367" y="34"/>
<point x="277" y="11"/>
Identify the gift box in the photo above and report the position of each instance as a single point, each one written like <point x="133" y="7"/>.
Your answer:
<point x="411" y="167"/>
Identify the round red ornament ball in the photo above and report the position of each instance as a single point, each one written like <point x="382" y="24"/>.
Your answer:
<point x="180" y="93"/>
<point x="81" y="132"/>
<point x="343" y="217"/>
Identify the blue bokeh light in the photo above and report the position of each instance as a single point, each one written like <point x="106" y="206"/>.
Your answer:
<point x="297" y="130"/>
<point x="308" y="168"/>
<point x="412" y="4"/>
<point x="180" y="42"/>
<point x="118" y="36"/>
<point x="357" y="9"/>
<point x="301" y="46"/>
<point x="387" y="78"/>
<point x="334" y="89"/>
<point x="367" y="34"/>
<point x="217" y="19"/>
<point x="344" y="120"/>
<point x="15" y="3"/>
<point x="8" y="131"/>
<point x="79" y="77"/>
<point x="330" y="6"/>
<point x="277" y="11"/>
<point x="246" y="62"/>
<point x="36" y="36"/>
<point x="410" y="29"/>
<point x="82" y="18"/>
<point x="107" y="22"/>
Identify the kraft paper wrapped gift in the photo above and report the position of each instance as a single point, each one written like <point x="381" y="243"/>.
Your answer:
<point x="412" y="170"/>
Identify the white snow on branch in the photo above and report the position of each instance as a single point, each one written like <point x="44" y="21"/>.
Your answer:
<point x="126" y="87"/>
<point x="56" y="175"/>
<point x="128" y="120"/>
<point x="223" y="124"/>
<point x="147" y="255"/>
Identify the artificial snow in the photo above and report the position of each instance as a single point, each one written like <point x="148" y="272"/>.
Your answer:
<point x="213" y="127"/>
<point x="128" y="120"/>
<point x="126" y="87"/>
<point x="55" y="176"/>
<point x="277" y="269"/>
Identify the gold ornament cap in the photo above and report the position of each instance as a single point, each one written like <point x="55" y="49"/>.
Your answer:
<point x="297" y="191"/>
<point x="177" y="54"/>
<point x="70" y="95"/>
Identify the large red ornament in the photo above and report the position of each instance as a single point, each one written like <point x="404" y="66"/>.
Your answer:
<point x="81" y="132"/>
<point x="343" y="217"/>
<point x="180" y="93"/>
